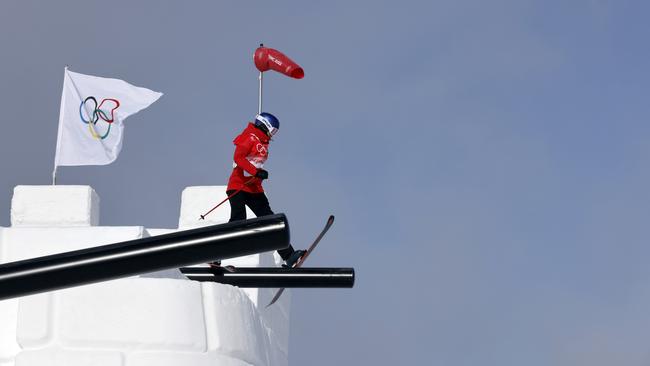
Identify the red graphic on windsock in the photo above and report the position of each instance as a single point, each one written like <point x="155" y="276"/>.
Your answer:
<point x="270" y="59"/>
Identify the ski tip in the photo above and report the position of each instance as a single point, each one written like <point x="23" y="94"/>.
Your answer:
<point x="330" y="219"/>
<point x="271" y="303"/>
<point x="276" y="297"/>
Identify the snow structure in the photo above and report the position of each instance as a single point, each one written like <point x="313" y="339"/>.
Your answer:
<point x="159" y="319"/>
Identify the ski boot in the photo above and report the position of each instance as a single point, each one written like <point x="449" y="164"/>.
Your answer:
<point x="294" y="258"/>
<point x="216" y="266"/>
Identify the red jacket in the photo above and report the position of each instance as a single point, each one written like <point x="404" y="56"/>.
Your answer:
<point x="251" y="151"/>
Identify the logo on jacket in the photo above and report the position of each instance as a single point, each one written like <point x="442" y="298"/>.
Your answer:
<point x="261" y="149"/>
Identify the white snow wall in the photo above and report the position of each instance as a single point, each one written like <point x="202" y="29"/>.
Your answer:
<point x="159" y="319"/>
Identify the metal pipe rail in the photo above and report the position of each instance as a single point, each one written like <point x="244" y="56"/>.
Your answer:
<point x="129" y="258"/>
<point x="275" y="277"/>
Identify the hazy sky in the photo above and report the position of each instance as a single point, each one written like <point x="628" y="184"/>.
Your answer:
<point x="488" y="162"/>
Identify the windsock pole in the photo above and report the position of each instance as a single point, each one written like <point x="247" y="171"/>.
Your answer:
<point x="259" y="104"/>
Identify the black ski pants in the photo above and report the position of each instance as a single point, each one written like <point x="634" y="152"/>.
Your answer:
<point x="259" y="204"/>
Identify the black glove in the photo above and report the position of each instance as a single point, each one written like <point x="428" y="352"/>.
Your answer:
<point x="262" y="174"/>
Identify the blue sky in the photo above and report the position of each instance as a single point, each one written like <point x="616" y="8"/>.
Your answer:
<point x="486" y="161"/>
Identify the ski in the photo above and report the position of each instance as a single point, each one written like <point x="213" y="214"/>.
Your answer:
<point x="328" y="225"/>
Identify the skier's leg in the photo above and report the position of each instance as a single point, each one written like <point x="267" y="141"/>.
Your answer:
<point x="259" y="204"/>
<point x="237" y="212"/>
<point x="237" y="205"/>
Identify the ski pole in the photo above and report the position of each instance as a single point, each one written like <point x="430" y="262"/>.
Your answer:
<point x="227" y="198"/>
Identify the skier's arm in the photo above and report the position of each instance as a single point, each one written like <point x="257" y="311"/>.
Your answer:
<point x="241" y="151"/>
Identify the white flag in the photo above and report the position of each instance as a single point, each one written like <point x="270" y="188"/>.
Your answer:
<point x="91" y="120"/>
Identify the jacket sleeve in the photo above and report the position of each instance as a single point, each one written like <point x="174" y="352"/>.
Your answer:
<point x="241" y="152"/>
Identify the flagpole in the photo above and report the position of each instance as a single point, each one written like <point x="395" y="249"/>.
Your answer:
<point x="58" y="135"/>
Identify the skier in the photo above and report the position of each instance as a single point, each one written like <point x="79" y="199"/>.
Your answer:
<point x="251" y="151"/>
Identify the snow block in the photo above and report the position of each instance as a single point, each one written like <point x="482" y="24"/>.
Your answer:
<point x="176" y="359"/>
<point x="24" y="243"/>
<point x="62" y="357"/>
<point x="135" y="321"/>
<point x="35" y="320"/>
<point x="234" y="327"/>
<point x="2" y="249"/>
<point x="54" y="206"/>
<point x="278" y="357"/>
<point x="154" y="232"/>
<point x="196" y="201"/>
<point x="253" y="260"/>
<point x="9" y="347"/>
<point x="134" y="313"/>
<point x="276" y="319"/>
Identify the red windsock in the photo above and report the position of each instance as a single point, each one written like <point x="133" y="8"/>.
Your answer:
<point x="270" y="59"/>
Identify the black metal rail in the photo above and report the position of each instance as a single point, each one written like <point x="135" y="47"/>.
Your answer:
<point x="274" y="277"/>
<point x="108" y="262"/>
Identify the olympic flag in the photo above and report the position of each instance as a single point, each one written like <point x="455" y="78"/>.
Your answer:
<point x="91" y="120"/>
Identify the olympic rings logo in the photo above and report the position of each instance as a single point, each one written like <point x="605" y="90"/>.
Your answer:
<point x="261" y="149"/>
<point x="92" y="114"/>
